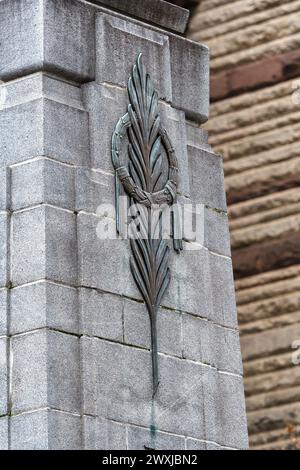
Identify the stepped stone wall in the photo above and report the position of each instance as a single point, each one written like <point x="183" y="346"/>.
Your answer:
<point x="75" y="360"/>
<point x="255" y="124"/>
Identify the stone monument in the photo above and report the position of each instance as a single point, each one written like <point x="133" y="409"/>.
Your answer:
<point x="108" y="342"/>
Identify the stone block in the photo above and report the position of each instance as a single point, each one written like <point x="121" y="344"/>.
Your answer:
<point x="44" y="245"/>
<point x="120" y="34"/>
<point x="102" y="260"/>
<point x="45" y="371"/>
<point x="44" y="127"/>
<point x="224" y="405"/>
<point x="4" y="433"/>
<point x="4" y="221"/>
<point x="104" y="103"/>
<point x="206" y="178"/>
<point x="197" y="136"/>
<point x="101" y="314"/>
<point x="190" y="287"/>
<point x="153" y="11"/>
<point x="3" y="376"/>
<point x="94" y="188"/>
<point x="137" y="328"/>
<point x="216" y="232"/>
<point x="222" y="288"/>
<point x="42" y="181"/>
<point x="21" y="37"/>
<point x="3" y="312"/>
<point x="4" y="186"/>
<point x="53" y="36"/>
<point x="43" y="304"/>
<point x="40" y="85"/>
<point x="102" y="434"/>
<point x="25" y="123"/>
<point x="190" y="77"/>
<point x="211" y="344"/>
<point x="69" y="39"/>
<point x="66" y="135"/>
<point x="146" y="439"/>
<point x="117" y="384"/>
<point x="195" y="444"/>
<point x="46" y="430"/>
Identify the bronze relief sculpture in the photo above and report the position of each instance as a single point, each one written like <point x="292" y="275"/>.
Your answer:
<point x="146" y="169"/>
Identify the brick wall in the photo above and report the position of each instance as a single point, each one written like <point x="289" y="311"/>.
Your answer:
<point x="254" y="124"/>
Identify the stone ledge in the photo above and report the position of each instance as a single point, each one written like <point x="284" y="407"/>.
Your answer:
<point x="158" y="12"/>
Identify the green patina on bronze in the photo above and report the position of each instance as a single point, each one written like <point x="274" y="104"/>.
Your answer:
<point x="140" y="136"/>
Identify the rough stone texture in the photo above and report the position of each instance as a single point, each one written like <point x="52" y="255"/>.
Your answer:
<point x="53" y="138"/>
<point x="45" y="430"/>
<point x="43" y="304"/>
<point x="74" y="331"/>
<point x="42" y="180"/>
<point x="255" y="77"/>
<point x="4" y="433"/>
<point x="3" y="376"/>
<point x="144" y="439"/>
<point x="157" y="12"/>
<point x="45" y="372"/>
<point x="102" y="434"/>
<point x="206" y="178"/>
<point x="3" y="312"/>
<point x="209" y="343"/>
<point x="4" y="220"/>
<point x="137" y="328"/>
<point x="101" y="314"/>
<point x="3" y="189"/>
<point x="44" y="245"/>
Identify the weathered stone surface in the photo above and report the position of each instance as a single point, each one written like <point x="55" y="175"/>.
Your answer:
<point x="44" y="245"/>
<point x="206" y="178"/>
<point x="101" y="314"/>
<point x="40" y="44"/>
<point x="4" y="221"/>
<point x="3" y="188"/>
<point x="224" y="408"/>
<point x="157" y="12"/>
<point x="124" y="391"/>
<point x="21" y="53"/>
<point x="42" y="180"/>
<point x="43" y="304"/>
<point x="223" y="291"/>
<point x="45" y="371"/>
<point x="80" y="365"/>
<point x="41" y="85"/>
<point x="190" y="270"/>
<point x="137" y="328"/>
<point x="98" y="259"/>
<point x="4" y="433"/>
<point x="195" y="444"/>
<point x="114" y="33"/>
<point x="206" y="342"/>
<point x="41" y="127"/>
<point x="45" y="430"/>
<point x="102" y="434"/>
<point x="3" y="376"/>
<point x="145" y="439"/>
<point x="3" y="312"/>
<point x="189" y="67"/>
<point x="93" y="188"/>
<point x="104" y="103"/>
<point x="216" y="232"/>
<point x="69" y="39"/>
